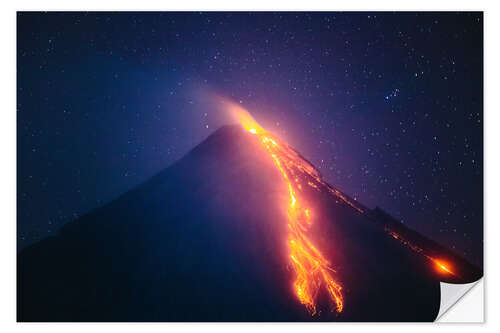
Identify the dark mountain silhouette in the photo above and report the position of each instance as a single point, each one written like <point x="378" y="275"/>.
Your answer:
<point x="205" y="240"/>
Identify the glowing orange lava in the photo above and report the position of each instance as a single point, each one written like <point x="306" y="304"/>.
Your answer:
<point x="312" y="269"/>
<point x="441" y="265"/>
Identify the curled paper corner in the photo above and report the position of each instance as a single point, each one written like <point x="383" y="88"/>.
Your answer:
<point x="459" y="303"/>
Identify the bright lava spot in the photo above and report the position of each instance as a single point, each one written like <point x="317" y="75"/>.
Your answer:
<point x="442" y="266"/>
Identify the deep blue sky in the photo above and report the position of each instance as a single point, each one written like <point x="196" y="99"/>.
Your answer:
<point x="389" y="106"/>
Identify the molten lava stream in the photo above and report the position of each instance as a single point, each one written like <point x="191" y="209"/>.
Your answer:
<point x="442" y="266"/>
<point x="311" y="268"/>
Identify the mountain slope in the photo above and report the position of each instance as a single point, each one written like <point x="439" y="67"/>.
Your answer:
<point x="206" y="240"/>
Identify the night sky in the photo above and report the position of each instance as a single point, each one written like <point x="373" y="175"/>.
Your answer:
<point x="388" y="106"/>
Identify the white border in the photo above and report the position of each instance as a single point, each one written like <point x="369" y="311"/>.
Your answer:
<point x="469" y="308"/>
<point x="254" y="5"/>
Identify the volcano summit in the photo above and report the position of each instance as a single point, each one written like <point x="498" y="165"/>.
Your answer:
<point x="243" y="228"/>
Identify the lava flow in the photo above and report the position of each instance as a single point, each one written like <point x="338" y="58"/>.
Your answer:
<point x="441" y="265"/>
<point x="311" y="268"/>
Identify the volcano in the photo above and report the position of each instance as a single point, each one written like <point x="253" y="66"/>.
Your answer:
<point x="243" y="228"/>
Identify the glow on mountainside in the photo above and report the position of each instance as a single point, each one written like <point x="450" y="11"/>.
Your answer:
<point x="312" y="269"/>
<point x="441" y="265"/>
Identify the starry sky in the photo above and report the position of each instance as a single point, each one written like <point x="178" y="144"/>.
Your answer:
<point x="388" y="106"/>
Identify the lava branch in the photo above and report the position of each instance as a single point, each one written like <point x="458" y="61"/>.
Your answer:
<point x="441" y="265"/>
<point x="311" y="268"/>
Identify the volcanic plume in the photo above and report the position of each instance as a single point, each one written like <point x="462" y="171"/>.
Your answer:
<point x="243" y="228"/>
